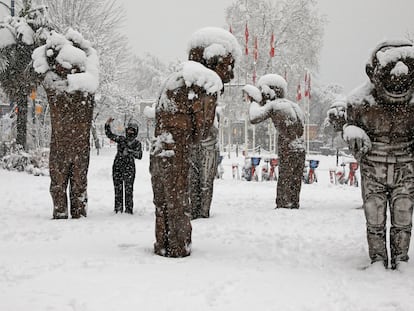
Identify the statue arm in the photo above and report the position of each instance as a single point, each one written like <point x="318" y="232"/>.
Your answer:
<point x="258" y="113"/>
<point x="204" y="111"/>
<point x="357" y="139"/>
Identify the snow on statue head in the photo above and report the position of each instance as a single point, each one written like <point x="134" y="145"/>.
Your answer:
<point x="272" y="86"/>
<point x="68" y="62"/>
<point x="391" y="71"/>
<point x="215" y="48"/>
<point x="252" y="93"/>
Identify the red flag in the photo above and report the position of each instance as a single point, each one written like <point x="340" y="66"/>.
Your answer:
<point x="298" y="94"/>
<point x="246" y="35"/>
<point x="306" y="85"/>
<point x="255" y="52"/>
<point x="272" y="46"/>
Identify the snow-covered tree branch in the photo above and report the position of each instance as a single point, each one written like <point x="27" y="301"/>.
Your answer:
<point x="297" y="29"/>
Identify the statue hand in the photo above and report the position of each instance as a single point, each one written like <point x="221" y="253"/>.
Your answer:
<point x="358" y="141"/>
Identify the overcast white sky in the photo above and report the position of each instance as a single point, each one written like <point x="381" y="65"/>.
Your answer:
<point x="163" y="27"/>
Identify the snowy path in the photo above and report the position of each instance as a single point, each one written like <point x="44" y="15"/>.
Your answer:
<point x="247" y="256"/>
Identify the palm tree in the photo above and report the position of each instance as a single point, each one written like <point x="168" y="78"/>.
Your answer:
<point x="17" y="77"/>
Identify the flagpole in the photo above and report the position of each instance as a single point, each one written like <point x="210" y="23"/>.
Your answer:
<point x="307" y="119"/>
<point x="255" y="56"/>
<point x="246" y="48"/>
<point x="246" y="53"/>
<point x="307" y="96"/>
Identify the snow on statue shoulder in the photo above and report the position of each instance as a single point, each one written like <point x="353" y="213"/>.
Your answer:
<point x="68" y="62"/>
<point x="192" y="76"/>
<point x="196" y="74"/>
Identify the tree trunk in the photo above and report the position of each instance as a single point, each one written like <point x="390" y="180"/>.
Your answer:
<point x="22" y="121"/>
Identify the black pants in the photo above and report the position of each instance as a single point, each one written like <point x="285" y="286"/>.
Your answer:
<point x="123" y="175"/>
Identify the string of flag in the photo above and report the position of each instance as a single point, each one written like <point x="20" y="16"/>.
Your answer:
<point x="307" y="91"/>
<point x="256" y="45"/>
<point x="307" y="84"/>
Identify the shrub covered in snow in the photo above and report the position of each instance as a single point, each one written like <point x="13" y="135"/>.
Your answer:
<point x="35" y="162"/>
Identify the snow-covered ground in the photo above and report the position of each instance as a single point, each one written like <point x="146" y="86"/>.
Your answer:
<point x="247" y="256"/>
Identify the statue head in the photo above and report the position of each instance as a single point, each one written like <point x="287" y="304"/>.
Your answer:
<point x="391" y="71"/>
<point x="217" y="49"/>
<point x="272" y="86"/>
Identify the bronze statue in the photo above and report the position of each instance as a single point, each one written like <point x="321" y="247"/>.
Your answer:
<point x="287" y="117"/>
<point x="379" y="127"/>
<point x="184" y="115"/>
<point x="69" y="68"/>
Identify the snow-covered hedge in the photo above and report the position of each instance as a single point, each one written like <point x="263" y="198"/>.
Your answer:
<point x="34" y="162"/>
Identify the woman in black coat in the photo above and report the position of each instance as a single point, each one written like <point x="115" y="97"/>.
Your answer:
<point x="123" y="169"/>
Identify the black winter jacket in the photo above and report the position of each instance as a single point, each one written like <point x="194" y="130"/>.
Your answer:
<point x="128" y="149"/>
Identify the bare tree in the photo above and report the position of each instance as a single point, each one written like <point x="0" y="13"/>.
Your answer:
<point x="297" y="30"/>
<point x="146" y="75"/>
<point x="100" y="22"/>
